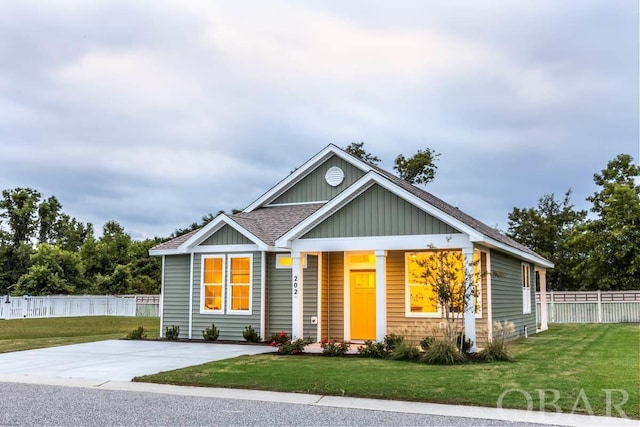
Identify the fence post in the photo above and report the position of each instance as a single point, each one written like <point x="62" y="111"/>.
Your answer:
<point x="553" y="309"/>
<point x="599" y="307"/>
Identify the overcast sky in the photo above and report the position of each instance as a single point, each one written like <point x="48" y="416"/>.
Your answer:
<point x="155" y="113"/>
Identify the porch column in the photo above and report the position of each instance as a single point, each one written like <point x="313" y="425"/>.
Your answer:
<point x="470" y="313"/>
<point x="542" y="275"/>
<point x="381" y="295"/>
<point x="296" y="296"/>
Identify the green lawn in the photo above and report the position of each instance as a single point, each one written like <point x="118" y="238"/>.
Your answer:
<point x="25" y="334"/>
<point x="578" y="363"/>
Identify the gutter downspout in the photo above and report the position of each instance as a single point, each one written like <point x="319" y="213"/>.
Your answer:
<point x="190" y="296"/>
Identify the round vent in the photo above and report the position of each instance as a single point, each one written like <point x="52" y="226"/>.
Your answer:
<point x="334" y="176"/>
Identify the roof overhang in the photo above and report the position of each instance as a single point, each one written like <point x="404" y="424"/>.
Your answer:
<point x="304" y="170"/>
<point x="357" y="188"/>
<point x="205" y="232"/>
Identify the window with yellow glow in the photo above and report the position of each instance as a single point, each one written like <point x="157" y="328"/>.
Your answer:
<point x="240" y="283"/>
<point x="285" y="261"/>
<point x="425" y="269"/>
<point x="212" y="283"/>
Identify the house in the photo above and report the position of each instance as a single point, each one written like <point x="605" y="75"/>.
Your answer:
<point x="329" y="252"/>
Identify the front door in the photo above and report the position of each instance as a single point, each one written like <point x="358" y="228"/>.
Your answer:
<point x="363" y="304"/>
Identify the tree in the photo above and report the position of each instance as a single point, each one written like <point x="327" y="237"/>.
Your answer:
<point x="547" y="230"/>
<point x="48" y="213"/>
<point x="357" y="149"/>
<point x="419" y="168"/>
<point x="609" y="246"/>
<point x="53" y="271"/>
<point x="18" y="209"/>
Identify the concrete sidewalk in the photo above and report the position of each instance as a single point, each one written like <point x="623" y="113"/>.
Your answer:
<point x="513" y="415"/>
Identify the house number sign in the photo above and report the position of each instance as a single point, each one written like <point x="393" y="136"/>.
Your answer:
<point x="295" y="286"/>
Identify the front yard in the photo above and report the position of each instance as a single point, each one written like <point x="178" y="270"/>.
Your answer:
<point x="571" y="367"/>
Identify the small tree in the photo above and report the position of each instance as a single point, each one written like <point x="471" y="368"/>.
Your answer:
<point x="453" y="283"/>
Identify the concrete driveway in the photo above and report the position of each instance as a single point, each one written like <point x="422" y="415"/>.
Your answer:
<point x="118" y="360"/>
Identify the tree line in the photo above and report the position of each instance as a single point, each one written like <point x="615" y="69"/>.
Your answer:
<point x="44" y="251"/>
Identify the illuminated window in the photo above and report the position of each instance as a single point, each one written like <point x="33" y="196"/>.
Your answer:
<point x="212" y="295"/>
<point x="526" y="288"/>
<point x="240" y="283"/>
<point x="424" y="271"/>
<point x="285" y="261"/>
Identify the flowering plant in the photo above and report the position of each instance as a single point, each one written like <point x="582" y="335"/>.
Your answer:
<point x="282" y="340"/>
<point x="334" y="348"/>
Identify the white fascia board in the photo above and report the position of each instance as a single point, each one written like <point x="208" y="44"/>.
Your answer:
<point x="213" y="226"/>
<point x="514" y="251"/>
<point x="356" y="189"/>
<point x="417" y="242"/>
<point x="308" y="167"/>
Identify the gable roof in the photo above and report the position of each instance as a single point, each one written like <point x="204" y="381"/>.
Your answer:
<point x="271" y="225"/>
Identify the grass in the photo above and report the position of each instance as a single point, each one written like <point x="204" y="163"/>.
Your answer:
<point x="26" y="334"/>
<point x="576" y="362"/>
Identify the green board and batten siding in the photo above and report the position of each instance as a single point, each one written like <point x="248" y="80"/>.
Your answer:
<point x="231" y="326"/>
<point x="314" y="188"/>
<point x="506" y="293"/>
<point x="227" y="235"/>
<point x="175" y="306"/>
<point x="378" y="212"/>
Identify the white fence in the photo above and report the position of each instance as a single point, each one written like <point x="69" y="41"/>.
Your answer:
<point x="591" y="307"/>
<point x="67" y="306"/>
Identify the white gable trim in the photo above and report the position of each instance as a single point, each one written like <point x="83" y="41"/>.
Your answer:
<point x="305" y="170"/>
<point x="210" y="229"/>
<point x="358" y="188"/>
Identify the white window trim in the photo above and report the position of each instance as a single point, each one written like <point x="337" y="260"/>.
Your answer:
<point x="526" y="290"/>
<point x="228" y="280"/>
<point x="204" y="310"/>
<point x="438" y="314"/>
<point x="288" y="267"/>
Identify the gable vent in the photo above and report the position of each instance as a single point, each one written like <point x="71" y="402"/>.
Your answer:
<point x="334" y="176"/>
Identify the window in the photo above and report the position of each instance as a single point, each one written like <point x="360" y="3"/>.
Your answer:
<point x="526" y="288"/>
<point x="285" y="261"/>
<point x="424" y="270"/>
<point x="212" y="294"/>
<point x="240" y="283"/>
<point x="226" y="281"/>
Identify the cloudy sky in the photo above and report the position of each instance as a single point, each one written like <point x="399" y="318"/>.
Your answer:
<point x="155" y="113"/>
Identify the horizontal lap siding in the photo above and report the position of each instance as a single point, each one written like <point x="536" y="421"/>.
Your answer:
<point x="175" y="307"/>
<point x="231" y="326"/>
<point x="506" y="293"/>
<point x="335" y="296"/>
<point x="310" y="298"/>
<point x="278" y="297"/>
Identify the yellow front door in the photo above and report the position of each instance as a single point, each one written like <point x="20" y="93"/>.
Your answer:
<point x="363" y="304"/>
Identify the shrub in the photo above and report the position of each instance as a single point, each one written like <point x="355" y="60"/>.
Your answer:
<point x="211" y="334"/>
<point x="172" y="332"/>
<point x="372" y="349"/>
<point x="139" y="333"/>
<point x="405" y="351"/>
<point x="334" y="348"/>
<point x="443" y="352"/>
<point x="282" y="341"/>
<point x="427" y="342"/>
<point x="391" y="341"/>
<point x="250" y="334"/>
<point x="497" y="348"/>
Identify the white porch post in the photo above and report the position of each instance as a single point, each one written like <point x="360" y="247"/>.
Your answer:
<point x="381" y="295"/>
<point x="296" y="296"/>
<point x="470" y="314"/>
<point x="542" y="275"/>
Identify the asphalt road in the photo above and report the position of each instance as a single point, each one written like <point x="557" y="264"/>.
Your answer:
<point x="46" y="405"/>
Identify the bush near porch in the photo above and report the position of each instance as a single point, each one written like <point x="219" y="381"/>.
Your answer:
<point x="579" y="361"/>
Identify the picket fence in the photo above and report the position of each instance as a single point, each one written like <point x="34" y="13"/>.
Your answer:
<point x="591" y="307"/>
<point x="67" y="306"/>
